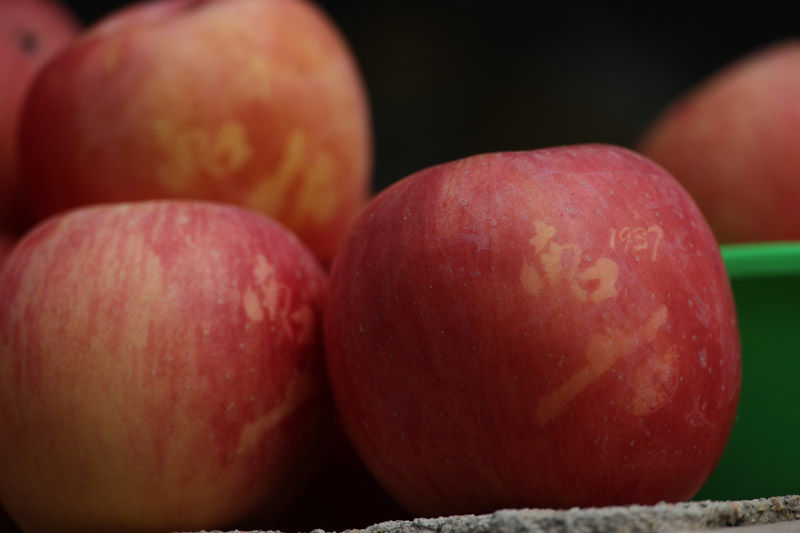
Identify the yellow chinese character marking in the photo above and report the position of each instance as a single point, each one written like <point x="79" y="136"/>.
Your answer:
<point x="190" y="152"/>
<point x="308" y="175"/>
<point x="563" y="264"/>
<point x="603" y="351"/>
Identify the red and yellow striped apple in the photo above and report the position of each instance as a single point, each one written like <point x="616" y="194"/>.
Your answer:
<point x="31" y="33"/>
<point x="732" y="142"/>
<point x="161" y="368"/>
<point x="548" y="328"/>
<point x="253" y="102"/>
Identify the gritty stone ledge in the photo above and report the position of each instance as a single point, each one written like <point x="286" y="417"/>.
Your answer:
<point x="660" y="518"/>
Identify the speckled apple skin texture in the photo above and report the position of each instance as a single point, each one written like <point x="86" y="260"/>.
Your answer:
<point x="161" y="368"/>
<point x="550" y="328"/>
<point x="258" y="103"/>
<point x="732" y="142"/>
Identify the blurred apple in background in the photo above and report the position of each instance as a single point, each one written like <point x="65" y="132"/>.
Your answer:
<point x="161" y="368"/>
<point x="31" y="33"/>
<point x="254" y="102"/>
<point x="732" y="142"/>
<point x="550" y="328"/>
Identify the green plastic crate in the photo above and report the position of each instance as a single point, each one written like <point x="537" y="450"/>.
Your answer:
<point x="763" y="455"/>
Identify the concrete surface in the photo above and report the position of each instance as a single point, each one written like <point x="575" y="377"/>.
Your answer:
<point x="764" y="515"/>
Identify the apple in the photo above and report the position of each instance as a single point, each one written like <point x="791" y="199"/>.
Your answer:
<point x="31" y="33"/>
<point x="731" y="141"/>
<point x="548" y="328"/>
<point x="343" y="494"/>
<point x="6" y="245"/>
<point x="6" y="525"/>
<point x="161" y="368"/>
<point x="257" y="103"/>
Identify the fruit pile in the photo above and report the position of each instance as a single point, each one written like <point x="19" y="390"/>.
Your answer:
<point x="208" y="319"/>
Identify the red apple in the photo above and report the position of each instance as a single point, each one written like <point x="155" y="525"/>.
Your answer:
<point x="6" y="245"/>
<point x="549" y="328"/>
<point x="253" y="102"/>
<point x="732" y="142"/>
<point x="161" y="368"/>
<point x="343" y="495"/>
<point x="31" y="33"/>
<point x="6" y="525"/>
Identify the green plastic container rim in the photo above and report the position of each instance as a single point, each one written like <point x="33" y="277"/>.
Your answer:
<point x="770" y="259"/>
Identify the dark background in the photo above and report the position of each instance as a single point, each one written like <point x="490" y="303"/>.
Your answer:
<point x="448" y="78"/>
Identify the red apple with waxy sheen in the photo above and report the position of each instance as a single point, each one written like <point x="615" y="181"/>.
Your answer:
<point x="732" y="143"/>
<point x="257" y="103"/>
<point x="161" y="368"/>
<point x="548" y="328"/>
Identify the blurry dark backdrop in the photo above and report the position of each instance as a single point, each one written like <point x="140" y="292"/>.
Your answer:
<point x="450" y="78"/>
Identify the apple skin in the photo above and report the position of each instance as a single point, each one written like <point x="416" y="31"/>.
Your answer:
<point x="731" y="141"/>
<point x="161" y="368"/>
<point x="343" y="495"/>
<point x="6" y="525"/>
<point x="31" y="33"/>
<point x="6" y="245"/>
<point x="549" y="328"/>
<point x="252" y="102"/>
